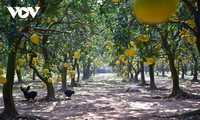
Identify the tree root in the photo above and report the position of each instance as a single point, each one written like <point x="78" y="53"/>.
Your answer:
<point x="28" y="117"/>
<point x="193" y="115"/>
<point x="146" y="84"/>
<point x="20" y="117"/>
<point x="153" y="88"/>
<point x="195" y="80"/>
<point x="6" y="116"/>
<point x="182" y="95"/>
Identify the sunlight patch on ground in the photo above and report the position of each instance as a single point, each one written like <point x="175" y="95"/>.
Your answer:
<point x="50" y="107"/>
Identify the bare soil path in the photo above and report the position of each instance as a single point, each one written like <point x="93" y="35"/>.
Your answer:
<point x="103" y="97"/>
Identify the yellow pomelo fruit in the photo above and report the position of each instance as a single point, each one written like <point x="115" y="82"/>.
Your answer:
<point x="139" y="37"/>
<point x="48" y="20"/>
<point x="143" y="38"/>
<point x="66" y="65"/>
<point x="49" y="80"/>
<point x="35" y="38"/>
<point x="58" y="80"/>
<point x="43" y="20"/>
<point x="191" y="23"/>
<point x="70" y="67"/>
<point x="77" y="55"/>
<point x="124" y="79"/>
<point x="155" y="59"/>
<point x="59" y="76"/>
<point x="117" y="62"/>
<point x="154" y="11"/>
<point x="195" y="46"/>
<point x="126" y="62"/>
<point x="122" y="57"/>
<point x="183" y="37"/>
<point x="182" y="32"/>
<point x="124" y="68"/>
<point x="115" y="1"/>
<point x="71" y="72"/>
<point x="106" y="42"/>
<point x="132" y="52"/>
<point x="187" y="33"/>
<point x="184" y="48"/>
<point x="188" y="58"/>
<point x="3" y="80"/>
<point x="192" y="40"/>
<point x="72" y="76"/>
<point x="46" y="71"/>
<point x="150" y="61"/>
<point x="158" y="46"/>
<point x="44" y="85"/>
<point x="55" y="19"/>
<point x="127" y="53"/>
<point x="20" y="62"/>
<point x="93" y="14"/>
<point x="132" y="44"/>
<point x="38" y="68"/>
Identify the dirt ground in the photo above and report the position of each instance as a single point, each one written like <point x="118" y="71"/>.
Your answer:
<point x="103" y="97"/>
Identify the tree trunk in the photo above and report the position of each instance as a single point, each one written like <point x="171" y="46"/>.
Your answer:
<point x="19" y="76"/>
<point x="84" y="72"/>
<point x="129" y="70"/>
<point x="136" y="76"/>
<point x="157" y="70"/>
<point x="142" y="73"/>
<point x="78" y="73"/>
<point x="174" y="74"/>
<point x="170" y="54"/>
<point x="64" y="78"/>
<point x="50" y="92"/>
<point x="151" y="73"/>
<point x="94" y="71"/>
<point x="185" y="69"/>
<point x="50" y="88"/>
<point x="63" y="72"/>
<point x="195" y="75"/>
<point x="192" y="69"/>
<point x="73" y="82"/>
<point x="33" y="77"/>
<point x="183" y="72"/>
<point x="163" y="69"/>
<point x="197" y="21"/>
<point x="88" y="74"/>
<point x="9" y="105"/>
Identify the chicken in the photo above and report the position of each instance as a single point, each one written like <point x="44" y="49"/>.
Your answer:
<point x="69" y="93"/>
<point x="28" y="95"/>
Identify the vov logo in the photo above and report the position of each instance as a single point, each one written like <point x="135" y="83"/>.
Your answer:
<point x="23" y="12"/>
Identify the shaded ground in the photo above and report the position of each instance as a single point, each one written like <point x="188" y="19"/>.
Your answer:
<point x="104" y="98"/>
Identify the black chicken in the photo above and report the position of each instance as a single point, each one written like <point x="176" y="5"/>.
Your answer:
<point x="69" y="93"/>
<point x="28" y="95"/>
